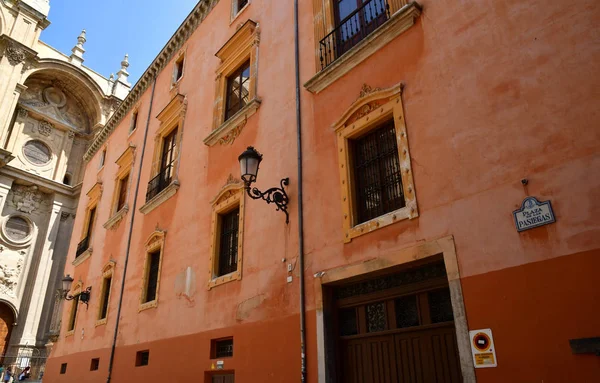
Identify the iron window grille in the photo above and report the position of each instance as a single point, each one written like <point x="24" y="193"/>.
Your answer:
<point x="377" y="174"/>
<point x="85" y="243"/>
<point x="228" y="243"/>
<point x="238" y="90"/>
<point x="167" y="167"/>
<point x="152" y="280"/>
<point x="355" y="21"/>
<point x="223" y="348"/>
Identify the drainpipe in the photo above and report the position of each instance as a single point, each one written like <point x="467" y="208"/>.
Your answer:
<point x="133" y="210"/>
<point x="300" y="204"/>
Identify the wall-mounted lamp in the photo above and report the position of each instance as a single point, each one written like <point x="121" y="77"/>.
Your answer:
<point x="249" y="163"/>
<point x="84" y="296"/>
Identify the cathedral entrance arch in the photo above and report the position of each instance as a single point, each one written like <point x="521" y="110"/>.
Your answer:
<point x="7" y="318"/>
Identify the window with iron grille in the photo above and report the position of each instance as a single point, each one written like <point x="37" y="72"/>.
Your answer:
<point x="152" y="276"/>
<point x="222" y="348"/>
<point x="142" y="358"/>
<point x="238" y="90"/>
<point x="105" y="296"/>
<point x="122" y="192"/>
<point x="228" y="242"/>
<point x="95" y="364"/>
<point x="63" y="368"/>
<point x="377" y="175"/>
<point x="167" y="166"/>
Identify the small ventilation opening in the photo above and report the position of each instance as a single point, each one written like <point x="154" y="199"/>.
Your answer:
<point x="95" y="364"/>
<point x="142" y="358"/>
<point x="67" y="179"/>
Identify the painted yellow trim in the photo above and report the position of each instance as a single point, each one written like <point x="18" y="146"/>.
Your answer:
<point x="155" y="242"/>
<point x="368" y="112"/>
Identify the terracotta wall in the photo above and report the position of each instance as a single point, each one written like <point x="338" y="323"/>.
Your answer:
<point x="494" y="92"/>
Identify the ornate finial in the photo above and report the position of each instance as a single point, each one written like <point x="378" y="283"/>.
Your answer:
<point x="78" y="51"/>
<point x="122" y="75"/>
<point x="125" y="62"/>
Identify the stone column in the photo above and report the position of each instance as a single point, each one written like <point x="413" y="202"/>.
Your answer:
<point x="11" y="66"/>
<point x="42" y="276"/>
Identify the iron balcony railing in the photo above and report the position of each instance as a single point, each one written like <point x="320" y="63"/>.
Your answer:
<point x="159" y="183"/>
<point x="82" y="246"/>
<point x="352" y="30"/>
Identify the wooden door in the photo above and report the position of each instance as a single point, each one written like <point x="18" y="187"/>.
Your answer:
<point x="228" y="378"/>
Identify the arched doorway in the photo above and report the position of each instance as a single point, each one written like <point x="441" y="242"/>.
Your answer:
<point x="7" y="318"/>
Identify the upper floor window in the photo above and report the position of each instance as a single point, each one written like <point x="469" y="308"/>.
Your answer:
<point x="89" y="224"/>
<point x="167" y="163"/>
<point x="152" y="269"/>
<point x="102" y="158"/>
<point x="122" y="199"/>
<point x="376" y="177"/>
<point x="178" y="69"/>
<point x="228" y="242"/>
<point x="237" y="6"/>
<point x="107" y="276"/>
<point x="151" y="276"/>
<point x="134" y="121"/>
<point x="238" y="90"/>
<point x="89" y="230"/>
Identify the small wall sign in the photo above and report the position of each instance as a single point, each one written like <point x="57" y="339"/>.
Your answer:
<point x="533" y="213"/>
<point x="482" y="347"/>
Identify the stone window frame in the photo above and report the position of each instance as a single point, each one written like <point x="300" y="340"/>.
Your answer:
<point x="125" y="166"/>
<point x="107" y="272"/>
<point x="240" y="48"/>
<point x="94" y="196"/>
<point x="25" y="241"/>
<point x="179" y="59"/>
<point x="373" y="107"/>
<point x="403" y="14"/>
<point x="171" y="117"/>
<point x="235" y="12"/>
<point x="77" y="289"/>
<point x="135" y="119"/>
<point x="230" y="196"/>
<point x="156" y="241"/>
<point x="46" y="164"/>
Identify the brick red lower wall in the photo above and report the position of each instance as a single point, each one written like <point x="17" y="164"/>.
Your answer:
<point x="533" y="311"/>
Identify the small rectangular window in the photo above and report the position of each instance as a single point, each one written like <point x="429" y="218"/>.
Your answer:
<point x="377" y="175"/>
<point x="105" y="297"/>
<point x="123" y="183"/>
<point x="73" y="316"/>
<point x="221" y="348"/>
<point x="63" y="368"/>
<point x="178" y="70"/>
<point x="152" y="276"/>
<point x="241" y="4"/>
<point x="238" y="90"/>
<point x="102" y="158"/>
<point x="134" y="121"/>
<point x="142" y="358"/>
<point x="95" y="364"/>
<point x="228" y="242"/>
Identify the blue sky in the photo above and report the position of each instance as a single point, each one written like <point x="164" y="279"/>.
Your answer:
<point x="114" y="27"/>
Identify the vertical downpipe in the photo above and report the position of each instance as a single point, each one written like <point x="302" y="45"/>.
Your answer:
<point x="133" y="210"/>
<point x="300" y="205"/>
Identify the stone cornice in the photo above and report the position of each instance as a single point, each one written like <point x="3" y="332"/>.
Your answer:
<point x="180" y="37"/>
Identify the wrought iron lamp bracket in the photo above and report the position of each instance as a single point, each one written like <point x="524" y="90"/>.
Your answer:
<point x="84" y="296"/>
<point x="278" y="196"/>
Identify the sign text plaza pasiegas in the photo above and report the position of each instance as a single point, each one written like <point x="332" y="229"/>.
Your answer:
<point x="533" y="213"/>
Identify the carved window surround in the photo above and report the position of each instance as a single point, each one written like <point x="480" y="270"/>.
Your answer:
<point x="229" y="197"/>
<point x="107" y="272"/>
<point x="403" y="17"/>
<point x="371" y="108"/>
<point x="171" y="117"/>
<point x="83" y="257"/>
<point x="94" y="195"/>
<point x="77" y="289"/>
<point x="125" y="164"/>
<point x="240" y="48"/>
<point x="155" y="242"/>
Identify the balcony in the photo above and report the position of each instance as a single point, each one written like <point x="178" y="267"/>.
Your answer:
<point x="159" y="183"/>
<point x="82" y="246"/>
<point x="352" y="30"/>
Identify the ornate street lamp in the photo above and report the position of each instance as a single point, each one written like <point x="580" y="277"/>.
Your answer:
<point x="84" y="296"/>
<point x="249" y="162"/>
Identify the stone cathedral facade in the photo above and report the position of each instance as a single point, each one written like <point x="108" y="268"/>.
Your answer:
<point x="51" y="106"/>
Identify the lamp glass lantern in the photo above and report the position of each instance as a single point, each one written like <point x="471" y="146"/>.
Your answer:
<point x="249" y="162"/>
<point x="67" y="282"/>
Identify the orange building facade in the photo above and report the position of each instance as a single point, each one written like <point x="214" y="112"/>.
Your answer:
<point x="424" y="126"/>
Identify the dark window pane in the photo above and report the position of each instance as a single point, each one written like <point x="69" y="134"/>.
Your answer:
<point x="377" y="176"/>
<point x="122" y="192"/>
<point x="73" y="316"/>
<point x="142" y="358"/>
<point x="91" y="220"/>
<point x="228" y="242"/>
<point x="348" y="325"/>
<point x="154" y="263"/>
<point x="237" y="90"/>
<point x="440" y="306"/>
<point x="63" y="368"/>
<point x="224" y="348"/>
<point x="376" y="317"/>
<point x="95" y="364"/>
<point x="407" y="313"/>
<point x="105" y="296"/>
<point x="241" y="4"/>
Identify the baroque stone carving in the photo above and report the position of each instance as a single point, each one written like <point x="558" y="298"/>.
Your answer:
<point x="366" y="90"/>
<point x="23" y="113"/>
<point x="9" y="277"/>
<point x="14" y="55"/>
<point x="233" y="134"/>
<point x="27" y="198"/>
<point x="45" y="128"/>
